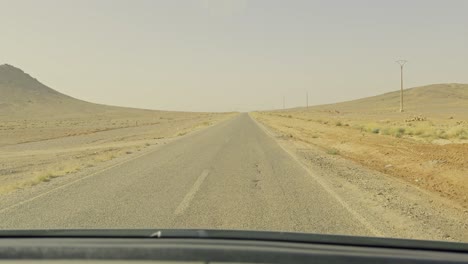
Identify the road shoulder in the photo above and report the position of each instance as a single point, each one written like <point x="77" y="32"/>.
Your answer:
<point x="397" y="208"/>
<point x="25" y="195"/>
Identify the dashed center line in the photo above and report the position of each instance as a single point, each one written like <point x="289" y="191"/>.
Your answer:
<point x="191" y="194"/>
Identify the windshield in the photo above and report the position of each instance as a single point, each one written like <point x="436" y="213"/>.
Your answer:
<point x="324" y="117"/>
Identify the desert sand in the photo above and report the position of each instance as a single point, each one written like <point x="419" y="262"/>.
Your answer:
<point x="426" y="145"/>
<point x="45" y="134"/>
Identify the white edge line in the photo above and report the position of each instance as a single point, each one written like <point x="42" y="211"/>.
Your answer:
<point x="105" y="169"/>
<point x="72" y="182"/>
<point x="325" y="186"/>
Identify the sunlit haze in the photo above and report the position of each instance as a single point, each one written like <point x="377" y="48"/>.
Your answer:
<point x="234" y="55"/>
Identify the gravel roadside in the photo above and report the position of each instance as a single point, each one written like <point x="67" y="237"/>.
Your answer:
<point x="397" y="208"/>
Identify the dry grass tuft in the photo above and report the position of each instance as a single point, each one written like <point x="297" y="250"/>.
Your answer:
<point x="43" y="176"/>
<point x="333" y="151"/>
<point x="424" y="130"/>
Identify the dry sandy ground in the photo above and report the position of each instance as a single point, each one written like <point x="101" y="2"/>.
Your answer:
<point x="426" y="145"/>
<point x="395" y="207"/>
<point x="408" y="169"/>
<point x="420" y="149"/>
<point x="45" y="134"/>
<point x="36" y="151"/>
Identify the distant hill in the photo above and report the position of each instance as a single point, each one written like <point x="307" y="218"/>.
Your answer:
<point x="22" y="96"/>
<point x="438" y="99"/>
<point x="18" y="90"/>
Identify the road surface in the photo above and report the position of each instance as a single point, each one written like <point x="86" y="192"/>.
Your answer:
<point x="231" y="176"/>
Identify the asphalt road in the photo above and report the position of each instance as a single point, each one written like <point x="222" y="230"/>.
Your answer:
<point x="230" y="176"/>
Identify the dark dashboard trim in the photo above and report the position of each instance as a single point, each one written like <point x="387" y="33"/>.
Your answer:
<point x="241" y="235"/>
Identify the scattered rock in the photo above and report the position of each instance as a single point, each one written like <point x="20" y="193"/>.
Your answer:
<point x="432" y="163"/>
<point x="416" y="118"/>
<point x="441" y="141"/>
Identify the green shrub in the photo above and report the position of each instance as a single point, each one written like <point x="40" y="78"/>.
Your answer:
<point x="333" y="151"/>
<point x="386" y="131"/>
<point x="440" y="133"/>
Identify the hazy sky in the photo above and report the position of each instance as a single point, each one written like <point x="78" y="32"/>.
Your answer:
<point x="220" y="55"/>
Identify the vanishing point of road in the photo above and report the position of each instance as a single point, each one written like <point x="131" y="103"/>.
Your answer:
<point x="230" y="176"/>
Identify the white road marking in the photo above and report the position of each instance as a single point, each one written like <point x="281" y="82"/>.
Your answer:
<point x="322" y="183"/>
<point x="73" y="182"/>
<point x="2" y="210"/>
<point x="191" y="194"/>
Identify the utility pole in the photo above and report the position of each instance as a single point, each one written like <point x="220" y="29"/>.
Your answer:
<point x="401" y="63"/>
